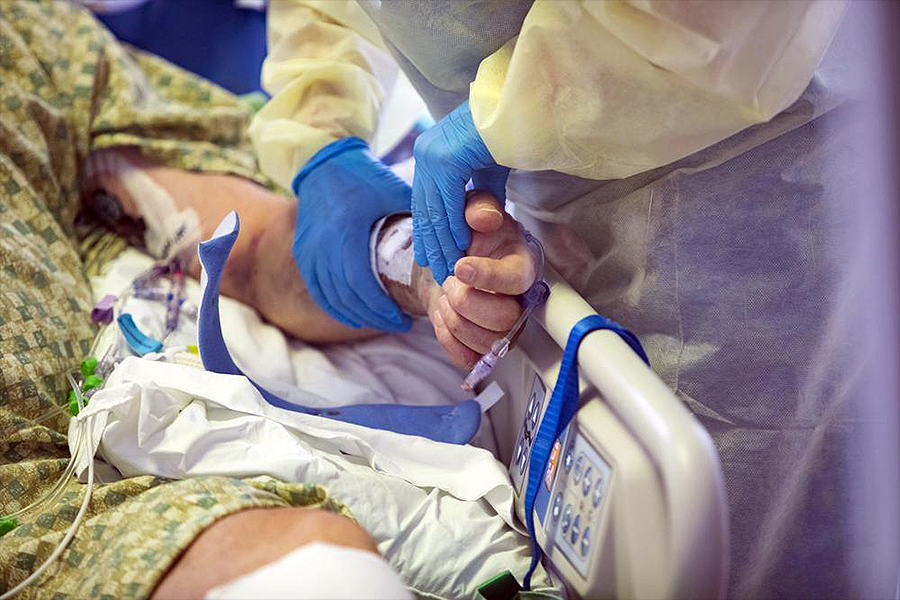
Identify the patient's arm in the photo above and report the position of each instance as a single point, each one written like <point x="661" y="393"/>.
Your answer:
<point x="242" y="542"/>
<point x="261" y="270"/>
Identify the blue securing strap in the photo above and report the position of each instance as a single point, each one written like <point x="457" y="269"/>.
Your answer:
<point x="562" y="407"/>
<point x="452" y="424"/>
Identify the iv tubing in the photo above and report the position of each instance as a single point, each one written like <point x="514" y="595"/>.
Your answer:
<point x="86" y="429"/>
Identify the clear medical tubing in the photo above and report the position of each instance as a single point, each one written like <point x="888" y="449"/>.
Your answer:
<point x="60" y="484"/>
<point x="533" y="297"/>
<point x="141" y="288"/>
<point x="57" y="552"/>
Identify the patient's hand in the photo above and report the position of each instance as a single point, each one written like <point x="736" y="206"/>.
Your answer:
<point x="476" y="306"/>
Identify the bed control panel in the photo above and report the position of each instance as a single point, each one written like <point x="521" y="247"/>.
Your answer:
<point x="631" y="501"/>
<point x="596" y="491"/>
<point x="574" y="513"/>
<point x="574" y="486"/>
<point x="534" y="409"/>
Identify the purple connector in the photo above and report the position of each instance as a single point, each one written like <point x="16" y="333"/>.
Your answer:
<point x="103" y="310"/>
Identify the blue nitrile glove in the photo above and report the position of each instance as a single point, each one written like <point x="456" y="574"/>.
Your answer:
<point x="342" y="192"/>
<point x="447" y="156"/>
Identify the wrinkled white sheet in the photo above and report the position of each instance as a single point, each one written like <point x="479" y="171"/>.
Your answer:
<point x="409" y="368"/>
<point x="441" y="514"/>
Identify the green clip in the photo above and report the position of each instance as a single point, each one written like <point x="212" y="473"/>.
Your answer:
<point x="7" y="524"/>
<point x="502" y="587"/>
<point x="88" y="366"/>
<point x="73" y="406"/>
<point x="90" y="382"/>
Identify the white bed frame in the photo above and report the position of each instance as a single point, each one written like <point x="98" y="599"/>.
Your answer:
<point x="659" y="525"/>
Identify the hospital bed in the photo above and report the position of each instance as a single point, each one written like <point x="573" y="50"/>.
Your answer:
<point x="633" y="502"/>
<point x="634" y="506"/>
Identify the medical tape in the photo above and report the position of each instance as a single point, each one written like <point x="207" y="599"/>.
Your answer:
<point x="391" y="254"/>
<point x="169" y="232"/>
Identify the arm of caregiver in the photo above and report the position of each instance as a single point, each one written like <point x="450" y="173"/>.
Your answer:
<point x="327" y="70"/>
<point x="605" y="90"/>
<point x="468" y="312"/>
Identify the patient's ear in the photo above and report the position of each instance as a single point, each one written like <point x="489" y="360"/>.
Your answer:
<point x="483" y="212"/>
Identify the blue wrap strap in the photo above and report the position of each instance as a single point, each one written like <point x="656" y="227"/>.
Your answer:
<point x="562" y="407"/>
<point x="453" y="424"/>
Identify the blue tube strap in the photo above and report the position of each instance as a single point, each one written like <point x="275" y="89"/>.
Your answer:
<point x="452" y="424"/>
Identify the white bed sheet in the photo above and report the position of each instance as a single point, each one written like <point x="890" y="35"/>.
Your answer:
<point x="441" y="514"/>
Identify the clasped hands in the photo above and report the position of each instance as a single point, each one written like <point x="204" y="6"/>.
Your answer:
<point x="476" y="306"/>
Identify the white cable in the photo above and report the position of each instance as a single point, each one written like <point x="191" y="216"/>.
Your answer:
<point x="60" y="484"/>
<point x="74" y="527"/>
<point x="84" y="442"/>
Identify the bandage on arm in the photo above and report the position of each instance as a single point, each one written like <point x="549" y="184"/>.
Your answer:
<point x="122" y="194"/>
<point x="412" y="287"/>
<point x="316" y="571"/>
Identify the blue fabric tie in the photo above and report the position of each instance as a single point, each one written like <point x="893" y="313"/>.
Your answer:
<point x="562" y="407"/>
<point x="453" y="424"/>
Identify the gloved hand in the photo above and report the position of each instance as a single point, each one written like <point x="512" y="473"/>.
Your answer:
<point x="447" y="156"/>
<point x="342" y="192"/>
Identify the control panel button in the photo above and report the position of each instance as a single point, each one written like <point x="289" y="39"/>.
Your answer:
<point x="567" y="518"/>
<point x="557" y="507"/>
<point x="569" y="458"/>
<point x="523" y="462"/>
<point x="532" y="404"/>
<point x="586" y="541"/>
<point x="579" y="467"/>
<point x="586" y="482"/>
<point x="598" y="492"/>
<point x="576" y="529"/>
<point x="533" y="420"/>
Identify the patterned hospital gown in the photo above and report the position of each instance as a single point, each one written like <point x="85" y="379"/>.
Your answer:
<point x="66" y="89"/>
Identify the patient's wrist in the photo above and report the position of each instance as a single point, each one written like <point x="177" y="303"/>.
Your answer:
<point x="410" y="285"/>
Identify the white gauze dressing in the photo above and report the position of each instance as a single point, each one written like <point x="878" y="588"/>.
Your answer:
<point x="393" y="255"/>
<point x="169" y="231"/>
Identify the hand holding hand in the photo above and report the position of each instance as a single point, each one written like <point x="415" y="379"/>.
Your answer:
<point x="478" y="304"/>
<point x="447" y="156"/>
